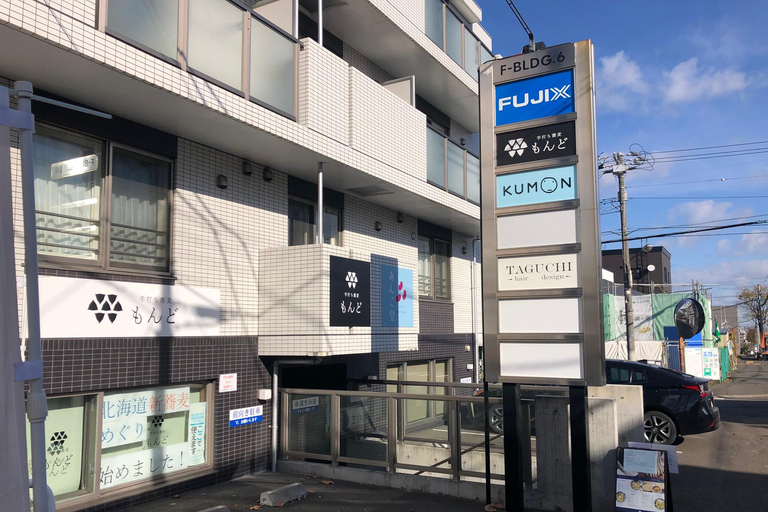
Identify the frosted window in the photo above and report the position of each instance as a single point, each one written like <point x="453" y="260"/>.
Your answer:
<point x="453" y="44"/>
<point x="473" y="178"/>
<point x="153" y="23"/>
<point x="216" y="40"/>
<point x="272" y="67"/>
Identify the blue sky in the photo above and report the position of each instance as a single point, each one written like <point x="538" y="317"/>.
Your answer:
<point x="674" y="75"/>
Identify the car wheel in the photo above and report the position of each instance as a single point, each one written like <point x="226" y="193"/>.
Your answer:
<point x="496" y="418"/>
<point x="659" y="428"/>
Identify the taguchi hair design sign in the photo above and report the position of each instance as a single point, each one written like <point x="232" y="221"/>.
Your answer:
<point x="89" y="308"/>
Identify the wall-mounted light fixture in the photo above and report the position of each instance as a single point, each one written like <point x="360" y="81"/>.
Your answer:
<point x="267" y="175"/>
<point x="400" y="218"/>
<point x="377" y="226"/>
<point x="467" y="348"/>
<point x="464" y="250"/>
<point x="221" y="181"/>
<point x="247" y="168"/>
<point x="463" y="141"/>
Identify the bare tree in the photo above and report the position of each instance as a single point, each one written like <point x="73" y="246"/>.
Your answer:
<point x="755" y="301"/>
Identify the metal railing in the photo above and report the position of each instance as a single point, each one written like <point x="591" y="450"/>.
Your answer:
<point x="429" y="434"/>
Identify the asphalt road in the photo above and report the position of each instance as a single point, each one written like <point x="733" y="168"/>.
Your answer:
<point x="727" y="470"/>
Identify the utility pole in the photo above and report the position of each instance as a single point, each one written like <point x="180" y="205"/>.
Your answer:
<point x="620" y="171"/>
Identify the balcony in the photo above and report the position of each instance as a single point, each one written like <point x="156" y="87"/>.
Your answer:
<point x="452" y="168"/>
<point x="396" y="40"/>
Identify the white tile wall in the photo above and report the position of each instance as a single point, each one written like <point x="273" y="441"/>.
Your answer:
<point x="218" y="233"/>
<point x="359" y="61"/>
<point x="385" y="127"/>
<point x="322" y="127"/>
<point x="472" y="140"/>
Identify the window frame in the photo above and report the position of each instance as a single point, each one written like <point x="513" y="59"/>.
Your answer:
<point x="402" y="374"/>
<point x="316" y="211"/>
<point x="465" y="26"/>
<point x="432" y="267"/>
<point x="103" y="263"/>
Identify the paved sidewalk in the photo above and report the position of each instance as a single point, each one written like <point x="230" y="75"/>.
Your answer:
<point x="748" y="381"/>
<point x="242" y="494"/>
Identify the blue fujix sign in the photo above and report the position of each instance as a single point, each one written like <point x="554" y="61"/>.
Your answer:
<point x="533" y="187"/>
<point x="245" y="416"/>
<point x="534" y="98"/>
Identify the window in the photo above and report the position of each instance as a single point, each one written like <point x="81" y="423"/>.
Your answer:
<point x="302" y="220"/>
<point x="434" y="268"/>
<point x="473" y="178"/>
<point x="471" y="53"/>
<point x="76" y="183"/>
<point x="455" y="169"/>
<point x="435" y="158"/>
<point x="152" y="431"/>
<point x="438" y="370"/>
<point x="434" y="21"/>
<point x="617" y="375"/>
<point x="70" y="433"/>
<point x="639" y="377"/>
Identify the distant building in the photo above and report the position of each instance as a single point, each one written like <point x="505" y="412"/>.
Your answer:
<point x="652" y="267"/>
<point x="727" y="317"/>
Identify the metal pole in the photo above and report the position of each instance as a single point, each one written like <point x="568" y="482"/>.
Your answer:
<point x="296" y="19"/>
<point x="488" y="499"/>
<point x="320" y="22"/>
<point x="275" y="408"/>
<point x="37" y="403"/>
<point x="629" y="314"/>
<point x="513" y="449"/>
<point x="320" y="203"/>
<point x="580" y="469"/>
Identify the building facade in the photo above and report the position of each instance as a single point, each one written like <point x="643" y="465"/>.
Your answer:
<point x="650" y="269"/>
<point x="179" y="255"/>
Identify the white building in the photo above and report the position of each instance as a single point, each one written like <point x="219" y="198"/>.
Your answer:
<point x="177" y="240"/>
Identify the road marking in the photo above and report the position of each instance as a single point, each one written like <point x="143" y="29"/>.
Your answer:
<point x="738" y="397"/>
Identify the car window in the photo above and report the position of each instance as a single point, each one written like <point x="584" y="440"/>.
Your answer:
<point x="639" y="377"/>
<point x="617" y="375"/>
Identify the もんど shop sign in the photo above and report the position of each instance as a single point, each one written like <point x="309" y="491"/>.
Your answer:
<point x="90" y="308"/>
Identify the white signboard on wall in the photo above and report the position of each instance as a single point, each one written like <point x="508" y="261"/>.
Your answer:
<point x="89" y="308"/>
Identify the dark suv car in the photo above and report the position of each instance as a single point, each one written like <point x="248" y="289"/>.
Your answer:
<point x="675" y="403"/>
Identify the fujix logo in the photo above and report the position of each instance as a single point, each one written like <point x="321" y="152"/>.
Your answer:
<point x="351" y="279"/>
<point x="544" y="95"/>
<point x="546" y="185"/>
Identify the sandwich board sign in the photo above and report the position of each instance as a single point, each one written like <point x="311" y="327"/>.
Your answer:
<point x="540" y="219"/>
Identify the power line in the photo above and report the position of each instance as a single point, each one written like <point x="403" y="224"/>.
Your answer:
<point x="676" y="233"/>
<point x="710" y="147"/>
<point x="697" y="197"/>
<point x="700" y="181"/>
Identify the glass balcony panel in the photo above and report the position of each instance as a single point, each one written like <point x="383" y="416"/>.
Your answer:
<point x="435" y="158"/>
<point x="153" y="23"/>
<point x="473" y="178"/>
<point x="309" y="424"/>
<point x="453" y="30"/>
<point x="455" y="169"/>
<point x="216" y="41"/>
<point x="433" y="21"/>
<point x="363" y="427"/>
<point x="470" y="54"/>
<point x="273" y="67"/>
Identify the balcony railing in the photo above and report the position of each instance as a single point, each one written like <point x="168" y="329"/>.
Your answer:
<point x="451" y="167"/>
<point x="223" y="42"/>
<point x="445" y="27"/>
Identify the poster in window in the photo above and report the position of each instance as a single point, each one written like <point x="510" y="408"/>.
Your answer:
<point x="350" y="297"/>
<point x="396" y="297"/>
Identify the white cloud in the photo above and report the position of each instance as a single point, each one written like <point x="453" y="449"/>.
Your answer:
<point x="686" y="82"/>
<point x="709" y="211"/>
<point x="725" y="279"/>
<point x="724" y="246"/>
<point x="620" y="82"/>
<point x="756" y="243"/>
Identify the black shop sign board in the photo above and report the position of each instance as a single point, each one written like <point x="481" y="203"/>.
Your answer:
<point x="534" y="144"/>
<point x="350" y="297"/>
